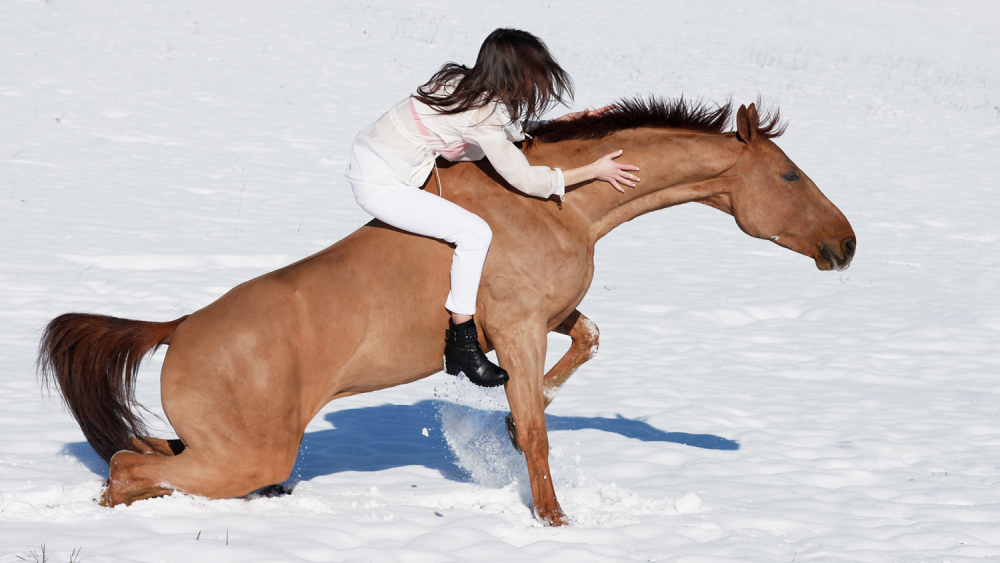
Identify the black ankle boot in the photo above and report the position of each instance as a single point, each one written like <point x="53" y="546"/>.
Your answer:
<point x="463" y="354"/>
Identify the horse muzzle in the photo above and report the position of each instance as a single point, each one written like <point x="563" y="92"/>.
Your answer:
<point x="836" y="256"/>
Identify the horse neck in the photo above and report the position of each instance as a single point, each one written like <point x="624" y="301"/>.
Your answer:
<point x="675" y="167"/>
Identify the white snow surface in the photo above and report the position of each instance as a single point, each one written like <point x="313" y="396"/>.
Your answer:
<point x="743" y="406"/>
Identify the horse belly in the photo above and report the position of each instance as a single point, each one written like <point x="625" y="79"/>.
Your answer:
<point x="395" y="316"/>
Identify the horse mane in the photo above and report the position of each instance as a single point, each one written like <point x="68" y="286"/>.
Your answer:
<point x="674" y="113"/>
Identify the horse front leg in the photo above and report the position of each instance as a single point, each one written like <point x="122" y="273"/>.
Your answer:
<point x="522" y="354"/>
<point x="585" y="337"/>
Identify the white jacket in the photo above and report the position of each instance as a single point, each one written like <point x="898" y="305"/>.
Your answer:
<point x="400" y="148"/>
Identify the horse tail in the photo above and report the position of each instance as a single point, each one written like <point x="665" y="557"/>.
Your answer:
<point x="93" y="360"/>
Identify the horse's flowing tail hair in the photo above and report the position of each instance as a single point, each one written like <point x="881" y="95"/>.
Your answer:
<point x="93" y="360"/>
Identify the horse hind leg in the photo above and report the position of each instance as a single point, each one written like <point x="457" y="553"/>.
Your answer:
<point x="157" y="446"/>
<point x="123" y="487"/>
<point x="136" y="476"/>
<point x="585" y="337"/>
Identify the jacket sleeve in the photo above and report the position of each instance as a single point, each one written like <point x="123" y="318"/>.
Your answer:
<point x="490" y="135"/>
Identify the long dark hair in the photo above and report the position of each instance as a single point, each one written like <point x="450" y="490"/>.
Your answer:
<point x="513" y="67"/>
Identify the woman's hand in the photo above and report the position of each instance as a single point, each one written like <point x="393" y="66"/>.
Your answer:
<point x="585" y="113"/>
<point x="606" y="169"/>
<point x="613" y="172"/>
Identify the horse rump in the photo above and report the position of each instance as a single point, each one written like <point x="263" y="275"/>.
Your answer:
<point x="93" y="361"/>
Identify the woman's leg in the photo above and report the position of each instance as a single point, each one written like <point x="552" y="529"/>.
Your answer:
<point x="414" y="210"/>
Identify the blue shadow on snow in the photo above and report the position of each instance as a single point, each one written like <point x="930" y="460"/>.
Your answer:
<point x="88" y="457"/>
<point x="388" y="436"/>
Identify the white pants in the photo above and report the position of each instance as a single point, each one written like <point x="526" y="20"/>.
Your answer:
<point x="411" y="209"/>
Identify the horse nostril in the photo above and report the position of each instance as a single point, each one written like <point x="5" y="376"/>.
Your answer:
<point x="849" y="245"/>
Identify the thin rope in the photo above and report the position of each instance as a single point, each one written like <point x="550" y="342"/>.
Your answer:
<point x="438" y="175"/>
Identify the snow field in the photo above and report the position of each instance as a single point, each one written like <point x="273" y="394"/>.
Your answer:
<point x="742" y="407"/>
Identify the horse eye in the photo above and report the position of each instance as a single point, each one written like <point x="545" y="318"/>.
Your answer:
<point x="791" y="176"/>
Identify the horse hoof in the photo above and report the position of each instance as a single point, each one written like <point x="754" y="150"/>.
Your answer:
<point x="555" y="519"/>
<point x="105" y="499"/>
<point x="512" y="434"/>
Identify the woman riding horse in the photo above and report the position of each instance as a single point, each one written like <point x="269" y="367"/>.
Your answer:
<point x="243" y="376"/>
<point x="463" y="114"/>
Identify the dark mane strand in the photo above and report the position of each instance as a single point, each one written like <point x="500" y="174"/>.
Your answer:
<point x="771" y="125"/>
<point x="678" y="113"/>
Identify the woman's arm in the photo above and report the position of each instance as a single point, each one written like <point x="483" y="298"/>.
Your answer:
<point x="605" y="169"/>
<point x="513" y="166"/>
<point x="542" y="181"/>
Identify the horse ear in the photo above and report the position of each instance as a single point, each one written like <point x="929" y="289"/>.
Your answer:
<point x="746" y="123"/>
<point x="754" y="117"/>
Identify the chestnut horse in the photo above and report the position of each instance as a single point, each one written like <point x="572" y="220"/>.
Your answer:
<point x="243" y="376"/>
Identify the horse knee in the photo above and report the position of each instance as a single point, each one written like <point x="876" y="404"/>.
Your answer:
<point x="589" y="336"/>
<point x="243" y="476"/>
<point x="275" y="473"/>
<point x="583" y="331"/>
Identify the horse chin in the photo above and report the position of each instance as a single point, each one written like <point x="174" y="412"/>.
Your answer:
<point x="825" y="265"/>
<point x="824" y="257"/>
<point x="828" y="260"/>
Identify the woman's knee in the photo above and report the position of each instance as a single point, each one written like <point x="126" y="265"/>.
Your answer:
<point x="477" y="234"/>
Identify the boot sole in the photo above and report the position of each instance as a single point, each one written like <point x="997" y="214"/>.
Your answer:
<point x="454" y="370"/>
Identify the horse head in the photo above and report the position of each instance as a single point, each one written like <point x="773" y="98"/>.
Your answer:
<point x="771" y="198"/>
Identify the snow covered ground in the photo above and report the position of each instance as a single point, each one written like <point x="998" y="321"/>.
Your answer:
<point x="743" y="407"/>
